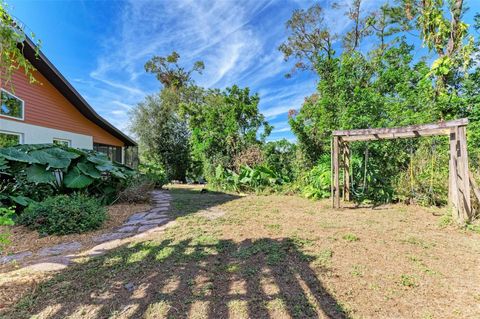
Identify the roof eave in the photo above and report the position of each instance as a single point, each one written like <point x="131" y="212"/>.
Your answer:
<point x="47" y="69"/>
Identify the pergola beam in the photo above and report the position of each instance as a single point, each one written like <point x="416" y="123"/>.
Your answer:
<point x="420" y="129"/>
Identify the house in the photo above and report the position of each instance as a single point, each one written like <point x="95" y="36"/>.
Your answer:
<point x="52" y="111"/>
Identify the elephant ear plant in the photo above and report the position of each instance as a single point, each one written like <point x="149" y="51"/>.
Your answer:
<point x="29" y="173"/>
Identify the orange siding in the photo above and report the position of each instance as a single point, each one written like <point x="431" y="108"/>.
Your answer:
<point x="46" y="106"/>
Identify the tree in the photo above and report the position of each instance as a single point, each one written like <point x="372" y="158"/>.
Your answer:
<point x="309" y="39"/>
<point x="170" y="73"/>
<point x="224" y="124"/>
<point x="163" y="135"/>
<point x="12" y="39"/>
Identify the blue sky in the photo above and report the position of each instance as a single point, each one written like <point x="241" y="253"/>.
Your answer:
<point x="102" y="46"/>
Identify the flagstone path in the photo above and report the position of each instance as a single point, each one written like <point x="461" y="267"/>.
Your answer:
<point x="136" y="226"/>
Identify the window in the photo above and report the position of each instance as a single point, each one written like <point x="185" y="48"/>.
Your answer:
<point x="113" y="152"/>
<point x="62" y="142"/>
<point x="11" y="105"/>
<point x="9" y="139"/>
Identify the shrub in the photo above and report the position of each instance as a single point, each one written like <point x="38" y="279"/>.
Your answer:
<point x="64" y="214"/>
<point x="155" y="173"/>
<point x="6" y="219"/>
<point x="138" y="191"/>
<point x="316" y="183"/>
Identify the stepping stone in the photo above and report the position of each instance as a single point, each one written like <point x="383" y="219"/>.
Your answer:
<point x="15" y="257"/>
<point x="145" y="228"/>
<point x="60" y="249"/>
<point x="154" y="221"/>
<point x="127" y="229"/>
<point x="155" y="216"/>
<point x="137" y="216"/>
<point x="49" y="264"/>
<point x="159" y="209"/>
<point x="110" y="236"/>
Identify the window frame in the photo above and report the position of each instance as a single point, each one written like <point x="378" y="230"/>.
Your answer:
<point x="16" y="97"/>
<point x="69" y="142"/>
<point x="20" y="135"/>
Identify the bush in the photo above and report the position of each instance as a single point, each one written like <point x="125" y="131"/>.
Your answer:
<point x="154" y="173"/>
<point x="62" y="214"/>
<point x="138" y="191"/>
<point x="6" y="219"/>
<point x="316" y="183"/>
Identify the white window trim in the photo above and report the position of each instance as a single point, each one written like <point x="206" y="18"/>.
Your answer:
<point x="20" y="135"/>
<point x="23" y="107"/>
<point x="69" y="142"/>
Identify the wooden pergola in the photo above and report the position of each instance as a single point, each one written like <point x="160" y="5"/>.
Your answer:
<point x="460" y="179"/>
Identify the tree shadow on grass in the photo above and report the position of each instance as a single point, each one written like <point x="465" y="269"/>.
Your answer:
<point x="199" y="277"/>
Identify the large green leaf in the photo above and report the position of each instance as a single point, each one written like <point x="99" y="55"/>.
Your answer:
<point x="13" y="154"/>
<point x="89" y="169"/>
<point x="105" y="167"/>
<point x="39" y="174"/>
<point x="21" y="200"/>
<point x="76" y="179"/>
<point x="3" y="164"/>
<point x="55" y="161"/>
<point x="61" y="153"/>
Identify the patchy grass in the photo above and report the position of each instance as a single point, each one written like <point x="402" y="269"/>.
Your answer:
<point x="350" y="237"/>
<point x="269" y="257"/>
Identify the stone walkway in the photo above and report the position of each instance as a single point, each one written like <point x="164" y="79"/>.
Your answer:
<point x="136" y="226"/>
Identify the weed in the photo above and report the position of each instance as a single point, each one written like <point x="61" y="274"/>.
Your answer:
<point x="350" y="237"/>
<point x="445" y="220"/>
<point x="357" y="270"/>
<point x="323" y="258"/>
<point x="418" y="242"/>
<point x="408" y="281"/>
<point x="273" y="227"/>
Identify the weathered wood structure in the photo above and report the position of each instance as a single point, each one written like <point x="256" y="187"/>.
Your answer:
<point x="459" y="178"/>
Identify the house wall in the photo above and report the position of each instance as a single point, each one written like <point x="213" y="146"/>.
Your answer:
<point x="46" y="107"/>
<point x="34" y="134"/>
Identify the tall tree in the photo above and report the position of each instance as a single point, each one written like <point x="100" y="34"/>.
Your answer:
<point x="163" y="133"/>
<point x="170" y="73"/>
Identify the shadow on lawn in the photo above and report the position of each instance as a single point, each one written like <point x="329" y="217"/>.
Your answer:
<point x="197" y="277"/>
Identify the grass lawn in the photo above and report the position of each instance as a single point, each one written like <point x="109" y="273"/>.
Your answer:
<point x="274" y="257"/>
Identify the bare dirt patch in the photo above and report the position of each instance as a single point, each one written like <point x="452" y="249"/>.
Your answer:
<point x="274" y="257"/>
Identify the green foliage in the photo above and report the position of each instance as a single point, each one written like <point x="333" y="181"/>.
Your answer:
<point x="12" y="36"/>
<point x="154" y="173"/>
<point x="6" y="219"/>
<point x="280" y="156"/>
<point x="32" y="172"/>
<point x="163" y="134"/>
<point x="224" y="124"/>
<point x="64" y="214"/>
<point x="254" y="179"/>
<point x="315" y="184"/>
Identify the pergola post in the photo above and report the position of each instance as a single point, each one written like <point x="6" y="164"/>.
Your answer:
<point x="335" y="172"/>
<point x="346" y="171"/>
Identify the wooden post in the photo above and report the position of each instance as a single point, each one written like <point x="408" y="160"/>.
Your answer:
<point x="464" y="179"/>
<point x="346" y="171"/>
<point x="336" y="171"/>
<point x="452" y="176"/>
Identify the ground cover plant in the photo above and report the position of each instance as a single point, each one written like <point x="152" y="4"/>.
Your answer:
<point x="273" y="256"/>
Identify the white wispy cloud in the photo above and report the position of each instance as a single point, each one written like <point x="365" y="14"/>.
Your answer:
<point x="237" y="41"/>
